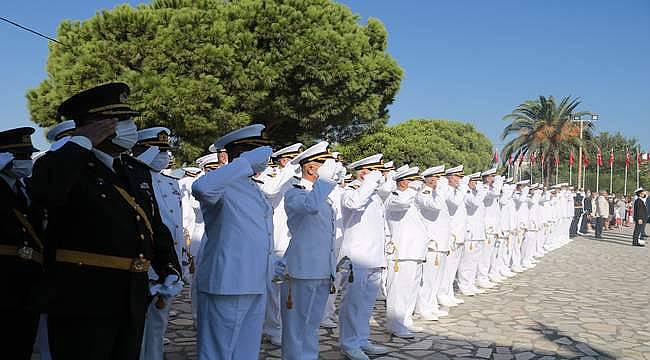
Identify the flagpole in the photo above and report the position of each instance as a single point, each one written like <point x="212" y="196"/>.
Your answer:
<point x="611" y="170"/>
<point x="625" y="186"/>
<point x="598" y="177"/>
<point x="584" y="177"/>
<point x="557" y="173"/>
<point x="570" y="174"/>
<point x="637" y="166"/>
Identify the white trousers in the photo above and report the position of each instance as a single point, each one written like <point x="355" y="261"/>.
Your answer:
<point x="301" y="322"/>
<point x="432" y="273"/>
<point x="356" y="308"/>
<point x="230" y="326"/>
<point x="528" y="248"/>
<point x="516" y="249"/>
<point x="155" y="326"/>
<point x="340" y="279"/>
<point x="468" y="267"/>
<point x="486" y="259"/>
<point x="451" y="267"/>
<point x="504" y="253"/>
<point x="402" y="294"/>
<point x="539" y="242"/>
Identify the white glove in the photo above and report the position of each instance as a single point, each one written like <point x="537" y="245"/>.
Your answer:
<point x="416" y="185"/>
<point x="5" y="159"/>
<point x="148" y="155"/>
<point x="340" y="175"/>
<point x="258" y="158"/>
<point x="374" y="177"/>
<point x="390" y="176"/>
<point x="328" y="170"/>
<point x="464" y="181"/>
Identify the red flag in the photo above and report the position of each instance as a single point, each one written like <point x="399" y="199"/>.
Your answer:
<point x="611" y="158"/>
<point x="542" y="159"/>
<point x="638" y="157"/>
<point x="510" y="160"/>
<point x="557" y="160"/>
<point x="521" y="158"/>
<point x="585" y="159"/>
<point x="571" y="159"/>
<point x="599" y="157"/>
<point x="628" y="158"/>
<point x="496" y="156"/>
<point x="533" y="158"/>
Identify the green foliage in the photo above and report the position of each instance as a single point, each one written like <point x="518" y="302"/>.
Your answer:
<point x="545" y="127"/>
<point x="425" y="143"/>
<point x="305" y="68"/>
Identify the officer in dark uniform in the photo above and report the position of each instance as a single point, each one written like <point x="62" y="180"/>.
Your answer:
<point x="21" y="246"/>
<point x="586" y="217"/>
<point x="577" y="214"/>
<point x="104" y="230"/>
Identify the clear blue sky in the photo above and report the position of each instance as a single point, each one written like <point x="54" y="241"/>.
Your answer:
<point x="464" y="60"/>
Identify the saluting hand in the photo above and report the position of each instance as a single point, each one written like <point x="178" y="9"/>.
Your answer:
<point x="97" y="131"/>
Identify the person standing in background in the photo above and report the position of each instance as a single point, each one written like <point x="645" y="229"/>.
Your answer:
<point x="640" y="216"/>
<point x="601" y="213"/>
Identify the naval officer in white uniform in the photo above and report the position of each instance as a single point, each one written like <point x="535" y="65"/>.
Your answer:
<point x="153" y="148"/>
<point x="363" y="243"/>
<point x="234" y="266"/>
<point x="310" y="257"/>
<point x="275" y="184"/>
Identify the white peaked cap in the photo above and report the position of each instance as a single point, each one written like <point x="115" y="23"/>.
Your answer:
<point x="152" y="133"/>
<point x="433" y="171"/>
<point x="58" y="130"/>
<point x="488" y="172"/>
<point x="288" y="151"/>
<point x="336" y="154"/>
<point x="523" y="182"/>
<point x="389" y="165"/>
<point x="370" y="161"/>
<point x="314" y="153"/>
<point x="402" y="168"/>
<point x="207" y="159"/>
<point x="475" y="176"/>
<point x="247" y="132"/>
<point x="637" y="190"/>
<point x="458" y="170"/>
<point x="407" y="172"/>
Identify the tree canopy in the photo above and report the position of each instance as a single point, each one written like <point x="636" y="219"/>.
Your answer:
<point x="305" y="68"/>
<point x="425" y="143"/>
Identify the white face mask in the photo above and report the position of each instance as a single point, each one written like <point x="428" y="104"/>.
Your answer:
<point x="126" y="134"/>
<point x="20" y="168"/>
<point x="161" y="161"/>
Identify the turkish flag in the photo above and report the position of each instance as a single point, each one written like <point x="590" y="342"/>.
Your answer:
<point x="628" y="158"/>
<point x="510" y="160"/>
<point x="533" y="158"/>
<point x="611" y="157"/>
<point x="638" y="157"/>
<point x="599" y="157"/>
<point x="585" y="159"/>
<point x="557" y="160"/>
<point x="496" y="156"/>
<point x="542" y="158"/>
<point x="571" y="159"/>
<point x="521" y="158"/>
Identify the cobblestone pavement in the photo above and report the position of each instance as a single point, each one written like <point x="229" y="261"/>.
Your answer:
<point x="586" y="300"/>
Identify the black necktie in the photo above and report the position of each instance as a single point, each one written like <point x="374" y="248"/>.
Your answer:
<point x="20" y="194"/>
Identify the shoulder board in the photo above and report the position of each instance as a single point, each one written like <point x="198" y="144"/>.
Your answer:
<point x="298" y="186"/>
<point x="395" y="193"/>
<point x="271" y="174"/>
<point x="353" y="187"/>
<point x="426" y="192"/>
<point x="297" y="178"/>
<point x="257" y="180"/>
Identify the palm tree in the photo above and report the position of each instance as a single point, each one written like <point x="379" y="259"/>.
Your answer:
<point x="544" y="127"/>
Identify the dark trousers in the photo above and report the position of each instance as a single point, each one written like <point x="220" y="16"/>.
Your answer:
<point x="78" y="337"/>
<point x="19" y="333"/>
<point x="573" y="229"/>
<point x="643" y="233"/>
<point x="600" y="222"/>
<point x="583" y="226"/>
<point x="638" y="231"/>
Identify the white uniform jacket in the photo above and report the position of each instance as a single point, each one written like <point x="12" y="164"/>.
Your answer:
<point x="311" y="220"/>
<point x="505" y="201"/>
<point x="435" y="215"/>
<point x="406" y="225"/>
<point x="274" y="185"/>
<point x="168" y="198"/>
<point x="492" y="210"/>
<point x="363" y="225"/>
<point x="475" y="213"/>
<point x="458" y="214"/>
<point x="238" y="231"/>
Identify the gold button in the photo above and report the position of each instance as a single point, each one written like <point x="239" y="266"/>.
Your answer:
<point x="137" y="217"/>
<point x="103" y="196"/>
<point x="142" y="236"/>
<point x="24" y="230"/>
